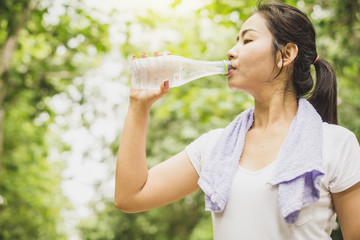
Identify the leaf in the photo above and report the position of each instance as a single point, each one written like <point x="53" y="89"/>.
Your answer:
<point x="175" y="3"/>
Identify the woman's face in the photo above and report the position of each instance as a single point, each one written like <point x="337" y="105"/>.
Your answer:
<point x="252" y="57"/>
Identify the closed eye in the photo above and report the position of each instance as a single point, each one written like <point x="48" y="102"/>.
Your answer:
<point x="247" y="41"/>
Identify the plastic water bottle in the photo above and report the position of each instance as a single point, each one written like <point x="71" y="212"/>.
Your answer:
<point x="150" y="72"/>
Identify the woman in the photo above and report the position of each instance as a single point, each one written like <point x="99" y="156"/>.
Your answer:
<point x="281" y="170"/>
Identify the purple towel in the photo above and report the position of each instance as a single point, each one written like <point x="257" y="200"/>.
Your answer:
<point x="298" y="169"/>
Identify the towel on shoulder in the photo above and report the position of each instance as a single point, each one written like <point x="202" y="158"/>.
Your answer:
<point x="298" y="169"/>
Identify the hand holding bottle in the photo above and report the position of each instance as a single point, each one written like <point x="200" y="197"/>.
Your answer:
<point x="146" y="97"/>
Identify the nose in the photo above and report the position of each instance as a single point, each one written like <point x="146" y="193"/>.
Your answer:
<point x="232" y="54"/>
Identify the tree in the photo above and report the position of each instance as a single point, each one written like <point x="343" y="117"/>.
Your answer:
<point x="43" y="46"/>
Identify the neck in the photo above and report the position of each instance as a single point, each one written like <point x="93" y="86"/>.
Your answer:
<point x="277" y="110"/>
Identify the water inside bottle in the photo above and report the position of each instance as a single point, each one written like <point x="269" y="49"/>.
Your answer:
<point x="154" y="70"/>
<point x="151" y="72"/>
<point x="197" y="69"/>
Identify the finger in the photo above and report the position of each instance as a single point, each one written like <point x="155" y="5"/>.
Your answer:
<point x="164" y="87"/>
<point x="133" y="57"/>
<point x="144" y="55"/>
<point x="157" y="53"/>
<point x="168" y="53"/>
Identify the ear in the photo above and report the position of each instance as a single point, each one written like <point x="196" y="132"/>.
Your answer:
<point x="290" y="52"/>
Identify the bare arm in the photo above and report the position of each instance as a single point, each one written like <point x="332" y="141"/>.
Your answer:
<point x="136" y="188"/>
<point x="347" y="207"/>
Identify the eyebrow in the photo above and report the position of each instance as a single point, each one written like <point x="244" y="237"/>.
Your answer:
<point x="244" y="32"/>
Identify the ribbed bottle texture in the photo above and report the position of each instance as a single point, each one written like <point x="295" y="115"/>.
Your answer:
<point x="150" y="72"/>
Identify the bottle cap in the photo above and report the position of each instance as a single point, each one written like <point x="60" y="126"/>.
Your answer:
<point x="227" y="66"/>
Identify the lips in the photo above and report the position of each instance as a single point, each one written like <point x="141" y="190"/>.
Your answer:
<point x="228" y="74"/>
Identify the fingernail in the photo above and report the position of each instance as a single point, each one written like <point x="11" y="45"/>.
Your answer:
<point x="134" y="57"/>
<point x="166" y="84"/>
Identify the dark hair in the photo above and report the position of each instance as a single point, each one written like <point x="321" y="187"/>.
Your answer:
<point x="290" y="25"/>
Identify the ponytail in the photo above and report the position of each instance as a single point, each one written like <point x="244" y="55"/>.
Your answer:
<point x="324" y="95"/>
<point x="290" y="25"/>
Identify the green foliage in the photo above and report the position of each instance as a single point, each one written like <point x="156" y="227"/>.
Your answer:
<point x="174" y="221"/>
<point x="47" y="55"/>
<point x="32" y="69"/>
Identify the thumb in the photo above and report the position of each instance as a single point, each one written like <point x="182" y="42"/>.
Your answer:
<point x="164" y="88"/>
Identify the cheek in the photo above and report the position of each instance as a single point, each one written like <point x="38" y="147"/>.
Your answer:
<point x="257" y="60"/>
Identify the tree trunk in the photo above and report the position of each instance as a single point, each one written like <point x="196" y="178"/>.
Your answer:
<point x="6" y="54"/>
<point x="2" y="117"/>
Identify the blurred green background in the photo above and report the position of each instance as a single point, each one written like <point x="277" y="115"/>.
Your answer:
<point x="64" y="84"/>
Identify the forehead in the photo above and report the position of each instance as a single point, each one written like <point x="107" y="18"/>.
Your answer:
<point x="256" y="22"/>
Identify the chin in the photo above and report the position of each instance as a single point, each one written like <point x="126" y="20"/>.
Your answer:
<point x="236" y="86"/>
<point x="238" y="89"/>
